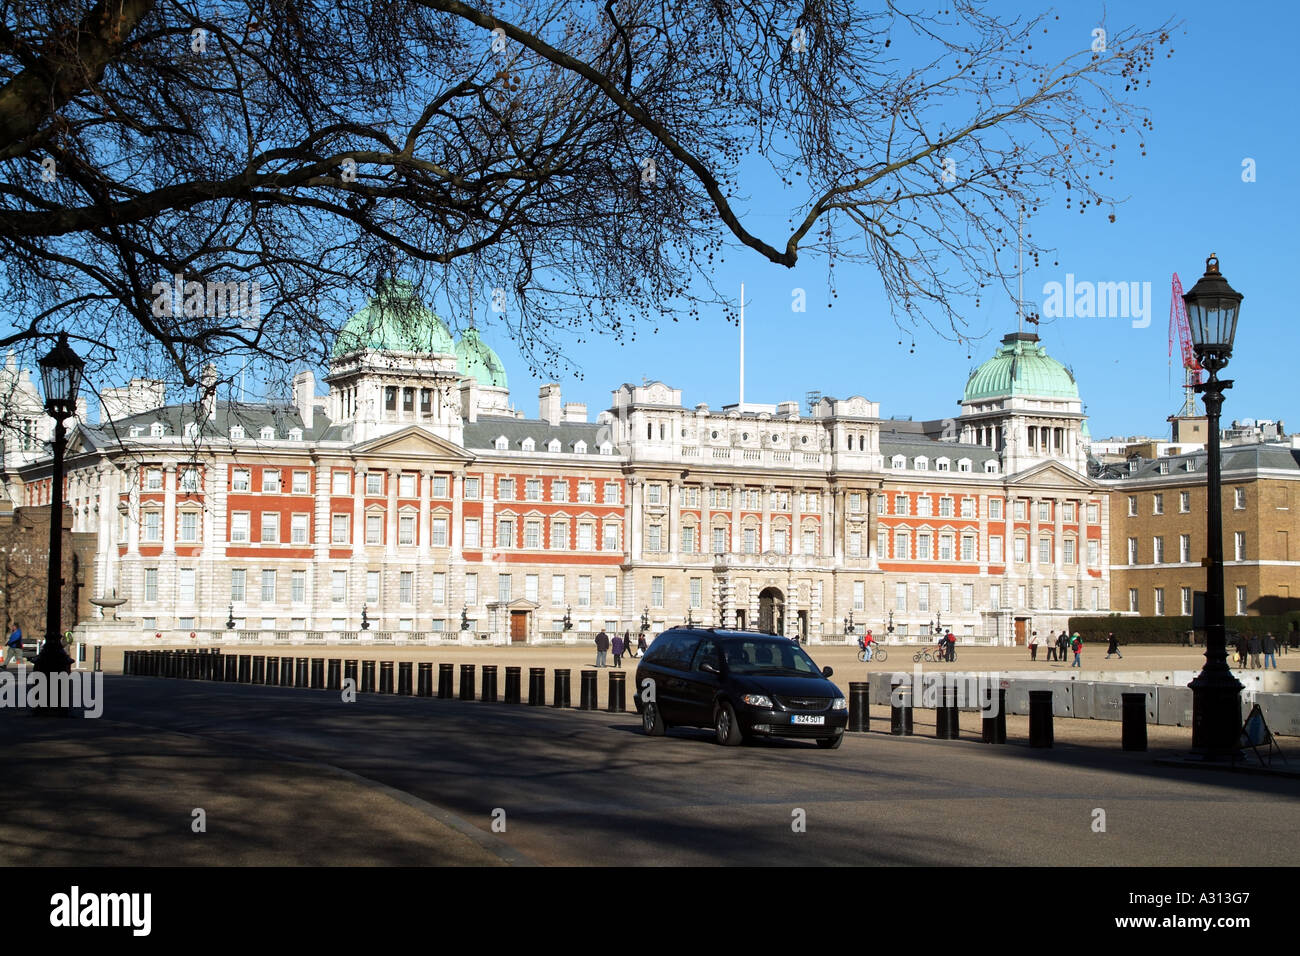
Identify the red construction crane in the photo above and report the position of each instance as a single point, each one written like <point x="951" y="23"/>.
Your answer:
<point x="1191" y="367"/>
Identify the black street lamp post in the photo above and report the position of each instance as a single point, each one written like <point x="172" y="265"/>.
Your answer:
<point x="1212" y="308"/>
<point x="849" y="626"/>
<point x="61" y="378"/>
<point x="889" y="628"/>
<point x="645" y="619"/>
<point x="365" y="620"/>
<point x="230" y="619"/>
<point x="568" y="618"/>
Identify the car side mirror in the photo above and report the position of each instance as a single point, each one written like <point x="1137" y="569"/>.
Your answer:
<point x="709" y="666"/>
<point x="827" y="671"/>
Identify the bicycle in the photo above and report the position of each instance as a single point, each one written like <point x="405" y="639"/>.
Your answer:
<point x="937" y="655"/>
<point x="877" y="654"/>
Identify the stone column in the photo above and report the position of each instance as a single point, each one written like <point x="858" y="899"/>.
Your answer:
<point x="169" y="509"/>
<point x="424" y="529"/>
<point x="706" y="519"/>
<point x="133" y="517"/>
<point x="796" y="519"/>
<point x="674" y="519"/>
<point x="765" y="527"/>
<point x="736" y="491"/>
<point x="390" y="514"/>
<point x="636" y="494"/>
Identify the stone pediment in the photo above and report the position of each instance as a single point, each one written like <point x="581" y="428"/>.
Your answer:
<point x="413" y="441"/>
<point x="1050" y="474"/>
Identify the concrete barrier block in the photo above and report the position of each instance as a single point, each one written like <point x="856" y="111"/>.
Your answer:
<point x="1018" y="696"/>
<point x="1081" y="697"/>
<point x="1174" y="706"/>
<point x="1108" y="700"/>
<point x="1281" y="712"/>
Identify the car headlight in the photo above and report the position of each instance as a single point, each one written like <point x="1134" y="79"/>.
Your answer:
<point x="757" y="700"/>
<point x="840" y="704"/>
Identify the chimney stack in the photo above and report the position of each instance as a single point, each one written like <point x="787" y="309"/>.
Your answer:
<point x="548" y="397"/>
<point x="575" y="412"/>
<point x="208" y="393"/>
<point x="304" y="396"/>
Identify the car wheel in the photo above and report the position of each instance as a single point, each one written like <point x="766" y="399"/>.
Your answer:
<point x="652" y="722"/>
<point x="726" y="729"/>
<point x="830" y="743"/>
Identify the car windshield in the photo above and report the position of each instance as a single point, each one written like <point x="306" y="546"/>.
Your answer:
<point x="769" y="657"/>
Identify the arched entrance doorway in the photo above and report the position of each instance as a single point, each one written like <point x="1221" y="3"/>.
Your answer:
<point x="771" y="611"/>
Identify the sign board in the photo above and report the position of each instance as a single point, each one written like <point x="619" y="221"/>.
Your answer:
<point x="1198" y="609"/>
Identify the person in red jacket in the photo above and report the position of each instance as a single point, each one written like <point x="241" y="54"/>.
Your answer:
<point x="952" y="646"/>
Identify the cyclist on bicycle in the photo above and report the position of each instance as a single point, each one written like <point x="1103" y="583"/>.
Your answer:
<point x="865" y="642"/>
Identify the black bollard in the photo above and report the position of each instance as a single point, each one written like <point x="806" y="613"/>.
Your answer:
<point x="300" y="671"/>
<point x="561" y="696"/>
<point x="900" y="711"/>
<point x="334" y="678"/>
<point x="859" y="706"/>
<point x="444" y="681"/>
<point x="945" y="718"/>
<point x="232" y="669"/>
<point x="385" y="677"/>
<point x="350" y="674"/>
<point x="512" y="685"/>
<point x="367" y="677"/>
<point x="489" y="683"/>
<point x="586" y="690"/>
<point x="466" y="681"/>
<point x="993" y="726"/>
<point x="1135" y="721"/>
<point x="617" y="692"/>
<point x="425" y="688"/>
<point x="286" y="672"/>
<point x="128" y="658"/>
<point x="404" y="678"/>
<point x="245" y="668"/>
<point x="318" y="673"/>
<point x="1040" y="718"/>
<point x="536" y="686"/>
<point x="259" y="669"/>
<point x="272" y="671"/>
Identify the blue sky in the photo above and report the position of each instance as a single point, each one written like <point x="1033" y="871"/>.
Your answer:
<point x="1228" y="94"/>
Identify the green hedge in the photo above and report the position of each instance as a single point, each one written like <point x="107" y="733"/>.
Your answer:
<point x="1173" y="630"/>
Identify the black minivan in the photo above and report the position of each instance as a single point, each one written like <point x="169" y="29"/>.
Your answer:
<point x="743" y="684"/>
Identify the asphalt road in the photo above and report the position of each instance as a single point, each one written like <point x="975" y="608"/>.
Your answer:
<point x="588" y="788"/>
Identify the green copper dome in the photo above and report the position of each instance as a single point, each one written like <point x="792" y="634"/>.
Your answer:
<point x="394" y="320"/>
<point x="1021" y="366"/>
<point x="475" y="358"/>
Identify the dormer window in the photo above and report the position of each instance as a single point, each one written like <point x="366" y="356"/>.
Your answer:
<point x="921" y="463"/>
<point x="579" y="447"/>
<point x="529" y="444"/>
<point x="237" y="432"/>
<point x="137" y="431"/>
<point x="267" y="433"/>
<point x="606" y="448"/>
<point x="191" y="431"/>
<point x="156" y="430"/>
<point x="990" y="467"/>
<point x="963" y="464"/>
<point x="502" y="443"/>
<point x="941" y="464"/>
<point x="553" y="446"/>
<point x="295" y="434"/>
<point x="898" y="461"/>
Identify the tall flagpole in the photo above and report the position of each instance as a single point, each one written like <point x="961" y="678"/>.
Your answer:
<point x="1020" y="270"/>
<point x="742" y="348"/>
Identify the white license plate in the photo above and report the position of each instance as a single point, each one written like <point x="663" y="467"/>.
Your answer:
<point x="807" y="719"/>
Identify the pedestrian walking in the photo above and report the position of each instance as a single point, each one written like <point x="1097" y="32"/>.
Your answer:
<point x="1062" y="644"/>
<point x="952" y="647"/>
<point x="1253" y="646"/>
<point x="640" y="644"/>
<point x="1269" y="646"/>
<point x="1051" y="647"/>
<point x="1241" y="650"/>
<point x="602" y="645"/>
<point x="1076" y="645"/>
<point x="627" y="644"/>
<point x="14" y="646"/>
<point x="1113" y="647"/>
<point x="617" y="648"/>
<point x="1033" y="646"/>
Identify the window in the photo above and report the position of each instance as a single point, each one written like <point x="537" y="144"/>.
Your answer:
<point x="1020" y="509"/>
<point x="688" y="539"/>
<point x="719" y="498"/>
<point x="338" y="585"/>
<point x="439" y="536"/>
<point x="189" y="481"/>
<point x="270" y="527"/>
<point x="924" y="546"/>
<point x="471" y="589"/>
<point x="238" y="526"/>
<point x="855" y="502"/>
<point x="295" y="434"/>
<point x="611" y="494"/>
<point x="656" y="591"/>
<point x="270" y="480"/>
<point x="611" y="533"/>
<point x="1239" y="498"/>
<point x="533" y="489"/>
<point x="298" y="529"/>
<point x="1044" y="511"/>
<point x="720" y="541"/>
<point x="902" y="551"/>
<point x="968" y="507"/>
<point x="880" y="505"/>
<point x="995" y="597"/>
<point x="1184" y="548"/>
<point x="533" y="533"/>
<point x="559" y="535"/>
<point x="505" y="532"/>
<point x="945" y="597"/>
<point x="900" y="596"/>
<point x="1157" y="550"/>
<point x="855" y="543"/>
<point x="611" y="591"/>
<point x="900" y="504"/>
<point x="1093" y="514"/>
<point x="559" y="490"/>
<point x="945" y="547"/>
<point x="653" y="494"/>
<point x="995" y="509"/>
<point x="1159" y="595"/>
<point x="924" y="506"/>
<point x="1157" y="504"/>
<point x="1070" y="599"/>
<point x="584" y="590"/>
<point x="438" y="588"/>
<point x="301" y="482"/>
<point x="1067" y="512"/>
<point x="1133" y="599"/>
<point x="1067" y="551"/>
<point x="341" y="483"/>
<point x="945" y="507"/>
<point x="374" y="483"/>
<point x="506" y="489"/>
<point x="1241" y="599"/>
<point x="1044" y="550"/>
<point x="587" y="492"/>
<point x="749" y="537"/>
<point x="298" y="586"/>
<point x="995" y="550"/>
<point x="153" y="479"/>
<point x="1094" y="552"/>
<point x="240" y="479"/>
<point x="266" y="433"/>
<point x="586" y="536"/>
<point x="1185" y="601"/>
<point x="406" y="587"/>
<point x="1132" y="506"/>
<point x="374" y="529"/>
<point x="189" y="526"/>
<point x="859" y="595"/>
<point x="406" y="529"/>
<point x="1019" y="549"/>
<point x="557" y="589"/>
<point x="439" y="486"/>
<point x="923" y="597"/>
<point x="472" y="488"/>
<point x="372" y="586"/>
<point x="1239" y="546"/>
<point x="406" y="485"/>
<point x="1132" y="550"/>
<point x="781" y="542"/>
<point x="151" y="584"/>
<point x="1184" y="501"/>
<point x="236" y="432"/>
<point x="185" y="591"/>
<point x="472" y="531"/>
<point x="339" y="528"/>
<point x="968" y="547"/>
<point x="238" y="578"/>
<point x="809" y="543"/>
<point x="268" y="586"/>
<point x="697" y="593"/>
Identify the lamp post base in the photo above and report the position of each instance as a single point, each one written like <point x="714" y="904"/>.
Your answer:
<point x="52" y="659"/>
<point x="1216" y="715"/>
